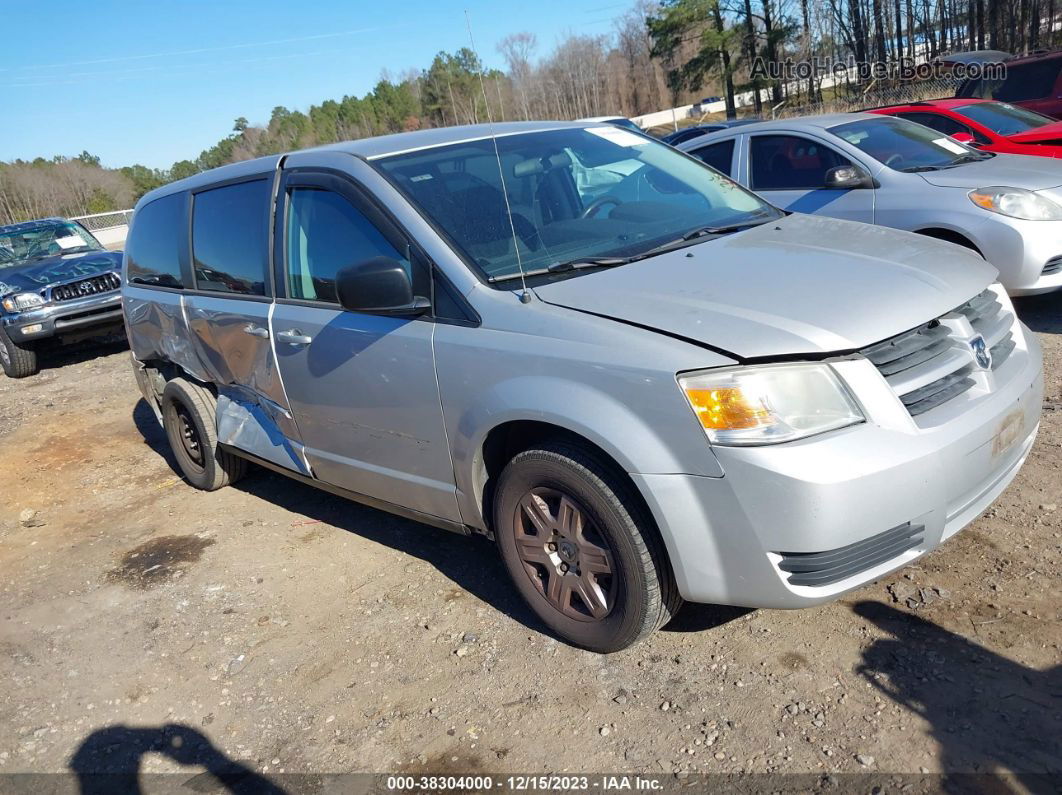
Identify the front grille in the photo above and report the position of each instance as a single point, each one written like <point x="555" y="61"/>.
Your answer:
<point x="930" y="365"/>
<point x="1053" y="266"/>
<point x="94" y="285"/>
<point x="834" y="565"/>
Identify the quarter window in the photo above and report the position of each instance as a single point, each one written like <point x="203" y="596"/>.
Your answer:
<point x="230" y="232"/>
<point x="152" y="254"/>
<point x="719" y="156"/>
<point x="790" y="162"/>
<point x="326" y="233"/>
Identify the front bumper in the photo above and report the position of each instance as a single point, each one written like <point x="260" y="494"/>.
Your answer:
<point x="78" y="317"/>
<point x="1020" y="250"/>
<point x="726" y="536"/>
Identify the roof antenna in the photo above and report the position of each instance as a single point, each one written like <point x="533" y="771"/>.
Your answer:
<point x="525" y="295"/>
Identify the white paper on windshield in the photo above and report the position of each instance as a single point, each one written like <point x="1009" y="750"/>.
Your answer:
<point x="70" y="241"/>
<point x="952" y="146"/>
<point x="618" y="136"/>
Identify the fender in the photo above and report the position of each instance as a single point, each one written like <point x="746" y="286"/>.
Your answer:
<point x="626" y="437"/>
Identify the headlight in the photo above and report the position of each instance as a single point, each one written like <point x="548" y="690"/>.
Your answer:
<point x="769" y="404"/>
<point x="1016" y="203"/>
<point x="20" y="302"/>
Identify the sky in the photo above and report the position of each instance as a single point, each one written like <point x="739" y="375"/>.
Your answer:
<point x="155" y="82"/>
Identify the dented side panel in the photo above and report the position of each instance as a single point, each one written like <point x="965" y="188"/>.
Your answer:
<point x="208" y="338"/>
<point x="250" y="423"/>
<point x="156" y="329"/>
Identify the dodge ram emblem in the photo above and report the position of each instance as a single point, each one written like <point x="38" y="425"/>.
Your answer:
<point x="981" y="352"/>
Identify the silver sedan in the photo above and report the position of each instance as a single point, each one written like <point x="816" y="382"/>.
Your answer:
<point x="896" y="173"/>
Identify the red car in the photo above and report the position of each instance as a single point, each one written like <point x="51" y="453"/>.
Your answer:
<point x="986" y="124"/>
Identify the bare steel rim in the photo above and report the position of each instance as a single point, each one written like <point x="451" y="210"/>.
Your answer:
<point x="188" y="436"/>
<point x="565" y="555"/>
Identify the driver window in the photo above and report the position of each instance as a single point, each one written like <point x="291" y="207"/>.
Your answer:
<point x="791" y="162"/>
<point x="326" y="233"/>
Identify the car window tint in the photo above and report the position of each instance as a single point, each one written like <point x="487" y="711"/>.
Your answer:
<point x="230" y="232"/>
<point x="789" y="162"/>
<point x="152" y="252"/>
<point x="719" y="156"/>
<point x="326" y="233"/>
<point x="1029" y="81"/>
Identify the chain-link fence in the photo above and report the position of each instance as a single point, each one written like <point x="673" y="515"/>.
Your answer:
<point x="100" y="221"/>
<point x="850" y="97"/>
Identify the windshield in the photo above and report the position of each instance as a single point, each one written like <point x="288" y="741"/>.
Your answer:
<point x="904" y="145"/>
<point x="44" y="240"/>
<point x="575" y="194"/>
<point x="1003" y="119"/>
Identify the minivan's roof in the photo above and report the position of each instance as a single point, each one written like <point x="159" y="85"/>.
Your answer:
<point x="368" y="148"/>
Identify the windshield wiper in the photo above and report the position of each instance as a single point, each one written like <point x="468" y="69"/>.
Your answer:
<point x="581" y="263"/>
<point x="588" y="262"/>
<point x="972" y="157"/>
<point x="916" y="169"/>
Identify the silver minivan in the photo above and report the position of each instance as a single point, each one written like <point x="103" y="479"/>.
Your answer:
<point x="643" y="381"/>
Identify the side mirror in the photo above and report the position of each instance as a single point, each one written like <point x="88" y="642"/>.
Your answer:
<point x="847" y="178"/>
<point x="378" y="286"/>
<point x="964" y="138"/>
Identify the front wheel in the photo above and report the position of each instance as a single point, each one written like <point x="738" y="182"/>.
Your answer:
<point x="18" y="361"/>
<point x="581" y="549"/>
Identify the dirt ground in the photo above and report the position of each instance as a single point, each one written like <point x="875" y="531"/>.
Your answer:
<point x="286" y="630"/>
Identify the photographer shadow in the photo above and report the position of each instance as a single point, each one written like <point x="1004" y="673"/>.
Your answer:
<point x="108" y="761"/>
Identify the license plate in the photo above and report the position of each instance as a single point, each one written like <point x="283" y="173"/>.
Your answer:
<point x="1008" y="432"/>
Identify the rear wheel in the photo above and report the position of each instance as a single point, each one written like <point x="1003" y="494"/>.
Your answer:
<point x="18" y="361"/>
<point x="581" y="549"/>
<point x="189" y="417"/>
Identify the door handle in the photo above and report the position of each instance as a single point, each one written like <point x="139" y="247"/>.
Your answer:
<point x="256" y="331"/>
<point x="294" y="337"/>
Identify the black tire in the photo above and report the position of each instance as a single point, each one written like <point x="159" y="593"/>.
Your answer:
<point x="18" y="361"/>
<point x="189" y="417"/>
<point x="638" y="595"/>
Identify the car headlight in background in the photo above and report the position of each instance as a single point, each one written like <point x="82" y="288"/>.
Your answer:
<point x="20" y="302"/>
<point x="769" y="404"/>
<point x="1017" y="203"/>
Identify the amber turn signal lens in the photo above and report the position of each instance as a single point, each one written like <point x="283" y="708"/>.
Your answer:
<point x="726" y="408"/>
<point x="985" y="200"/>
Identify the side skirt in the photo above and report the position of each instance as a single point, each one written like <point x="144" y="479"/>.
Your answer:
<point x="372" y="502"/>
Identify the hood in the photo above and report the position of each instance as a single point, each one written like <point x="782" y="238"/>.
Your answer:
<point x="1012" y="171"/>
<point x="802" y="285"/>
<point x="1048" y="134"/>
<point x="34" y="276"/>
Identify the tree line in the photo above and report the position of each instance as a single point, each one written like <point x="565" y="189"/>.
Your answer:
<point x="657" y="55"/>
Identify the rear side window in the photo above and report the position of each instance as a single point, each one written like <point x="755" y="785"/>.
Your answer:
<point x="152" y="253"/>
<point x="790" y="162"/>
<point x="1029" y="81"/>
<point x="719" y="156"/>
<point x="326" y="233"/>
<point x="230" y="235"/>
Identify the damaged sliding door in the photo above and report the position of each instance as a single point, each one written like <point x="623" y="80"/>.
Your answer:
<point x="228" y="314"/>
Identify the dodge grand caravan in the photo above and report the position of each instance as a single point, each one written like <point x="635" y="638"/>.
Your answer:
<point x="643" y="381"/>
